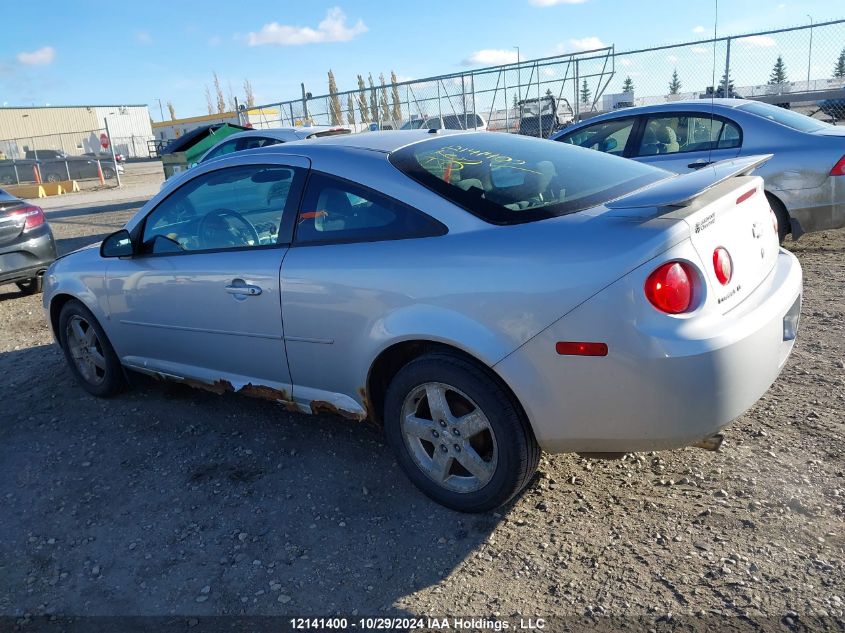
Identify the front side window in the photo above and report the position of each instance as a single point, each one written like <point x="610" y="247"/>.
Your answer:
<point x="336" y="210"/>
<point x="687" y="133"/>
<point x="235" y="207"/>
<point x="610" y="137"/>
<point x="510" y="179"/>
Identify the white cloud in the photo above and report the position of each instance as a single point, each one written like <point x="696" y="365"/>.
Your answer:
<point x="583" y="44"/>
<point x="758" y="41"/>
<point x="215" y="40"/>
<point x="698" y="29"/>
<point x="333" y="28"/>
<point x="143" y="37"/>
<point x="491" y="57"/>
<point x="551" y="3"/>
<point x="40" y="57"/>
<point x="701" y="50"/>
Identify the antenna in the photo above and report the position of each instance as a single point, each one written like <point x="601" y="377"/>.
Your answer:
<point x="713" y="81"/>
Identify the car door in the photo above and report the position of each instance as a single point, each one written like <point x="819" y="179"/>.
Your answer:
<point x="685" y="141"/>
<point x="200" y="299"/>
<point x="347" y="268"/>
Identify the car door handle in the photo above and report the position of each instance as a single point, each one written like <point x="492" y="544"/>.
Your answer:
<point x="698" y="164"/>
<point x="238" y="287"/>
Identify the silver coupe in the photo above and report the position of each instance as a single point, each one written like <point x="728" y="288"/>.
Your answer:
<point x="804" y="181"/>
<point x="481" y="295"/>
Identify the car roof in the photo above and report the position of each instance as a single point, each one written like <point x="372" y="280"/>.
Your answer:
<point x="285" y="132"/>
<point x="382" y="141"/>
<point x="698" y="105"/>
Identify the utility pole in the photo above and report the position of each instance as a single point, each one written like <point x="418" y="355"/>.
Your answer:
<point x="518" y="75"/>
<point x="810" y="53"/>
<point x="160" y="109"/>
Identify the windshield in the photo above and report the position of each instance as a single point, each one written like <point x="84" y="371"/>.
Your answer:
<point x="510" y="179"/>
<point x="796" y="121"/>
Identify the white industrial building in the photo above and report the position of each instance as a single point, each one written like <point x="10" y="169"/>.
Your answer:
<point x="75" y="129"/>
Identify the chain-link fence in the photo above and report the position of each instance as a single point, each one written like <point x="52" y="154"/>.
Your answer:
<point x="801" y="67"/>
<point x="52" y="158"/>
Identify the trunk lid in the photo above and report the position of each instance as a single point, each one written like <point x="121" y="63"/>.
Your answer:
<point x="723" y="208"/>
<point x="11" y="223"/>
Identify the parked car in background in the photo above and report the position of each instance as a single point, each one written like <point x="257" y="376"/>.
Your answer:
<point x="805" y="180"/>
<point x="45" y="154"/>
<point x="252" y="139"/>
<point x="55" y="169"/>
<point x="120" y="158"/>
<point x="27" y="246"/>
<point x="481" y="295"/>
<point x="542" y="117"/>
<point x="414" y="123"/>
<point x="467" y="121"/>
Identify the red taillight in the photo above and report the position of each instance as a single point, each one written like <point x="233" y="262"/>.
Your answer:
<point x="746" y="196"/>
<point x="838" y="168"/>
<point x="34" y="216"/>
<point x="669" y="288"/>
<point x="574" y="348"/>
<point x="723" y="265"/>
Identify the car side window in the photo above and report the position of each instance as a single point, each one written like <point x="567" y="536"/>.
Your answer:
<point x="251" y="142"/>
<point x="610" y="137"/>
<point x="336" y="210"/>
<point x="686" y="133"/>
<point x="236" y="207"/>
<point x="224" y="148"/>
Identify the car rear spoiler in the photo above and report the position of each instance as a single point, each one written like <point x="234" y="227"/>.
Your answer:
<point x="680" y="191"/>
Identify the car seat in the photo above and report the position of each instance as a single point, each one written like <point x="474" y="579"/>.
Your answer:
<point x="668" y="140"/>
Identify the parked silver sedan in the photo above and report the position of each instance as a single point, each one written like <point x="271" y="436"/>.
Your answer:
<point x="805" y="180"/>
<point x="482" y="295"/>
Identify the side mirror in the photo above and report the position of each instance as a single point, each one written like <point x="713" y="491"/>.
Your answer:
<point x="118" y="244"/>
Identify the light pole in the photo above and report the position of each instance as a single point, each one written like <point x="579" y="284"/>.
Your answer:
<point x="518" y="75"/>
<point x="160" y="110"/>
<point x="810" y="53"/>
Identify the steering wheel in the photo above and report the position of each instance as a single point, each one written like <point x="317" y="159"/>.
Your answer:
<point x="216" y="231"/>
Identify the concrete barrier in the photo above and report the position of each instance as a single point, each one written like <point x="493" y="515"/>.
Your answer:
<point x="43" y="190"/>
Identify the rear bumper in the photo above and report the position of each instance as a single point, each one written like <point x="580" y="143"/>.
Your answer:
<point x="27" y="258"/>
<point x="655" y="389"/>
<point x="816" y="209"/>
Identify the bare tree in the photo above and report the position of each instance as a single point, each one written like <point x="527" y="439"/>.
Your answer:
<point x="362" y="101"/>
<point x="172" y="110"/>
<point x="373" y="98"/>
<point x="233" y="105"/>
<point x="208" y="101"/>
<point x="221" y="100"/>
<point x="350" y="110"/>
<point x="336" y="112"/>
<point x="249" y="95"/>
<point x="385" y="108"/>
<point x="397" y="101"/>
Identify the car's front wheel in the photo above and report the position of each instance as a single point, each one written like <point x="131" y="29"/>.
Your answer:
<point x="88" y="352"/>
<point x="458" y="434"/>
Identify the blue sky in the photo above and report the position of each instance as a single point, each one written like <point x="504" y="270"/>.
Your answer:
<point x="137" y="52"/>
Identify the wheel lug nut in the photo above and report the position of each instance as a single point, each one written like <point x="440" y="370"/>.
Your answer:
<point x="457" y="448"/>
<point x="443" y="423"/>
<point x="443" y="448"/>
<point x="456" y="432"/>
<point x="435" y="434"/>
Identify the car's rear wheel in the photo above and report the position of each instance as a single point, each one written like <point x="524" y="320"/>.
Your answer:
<point x="88" y="352"/>
<point x="31" y="286"/>
<point x="108" y="173"/>
<point x="784" y="225"/>
<point x="458" y="434"/>
<point x="53" y="177"/>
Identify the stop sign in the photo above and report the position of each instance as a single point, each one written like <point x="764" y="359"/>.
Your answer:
<point x="104" y="140"/>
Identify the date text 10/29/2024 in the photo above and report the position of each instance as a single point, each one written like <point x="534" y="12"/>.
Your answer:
<point x="411" y="623"/>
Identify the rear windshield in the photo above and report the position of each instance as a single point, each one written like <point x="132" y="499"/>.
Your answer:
<point x="796" y="121"/>
<point x="510" y="179"/>
<point x="332" y="132"/>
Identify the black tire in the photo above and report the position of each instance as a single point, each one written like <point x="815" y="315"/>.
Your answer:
<point x="518" y="453"/>
<point x="108" y="173"/>
<point x="784" y="225"/>
<point x="113" y="379"/>
<point x="31" y="286"/>
<point x="52" y="177"/>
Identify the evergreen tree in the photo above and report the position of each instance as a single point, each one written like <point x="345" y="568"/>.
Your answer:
<point x="373" y="98"/>
<point x="586" y="93"/>
<point x="335" y="110"/>
<point x="362" y="101"/>
<point x="839" y="69"/>
<point x="385" y="108"/>
<point x="728" y="83"/>
<point x="628" y="84"/>
<point x="515" y="101"/>
<point x="397" y="101"/>
<point x="350" y="110"/>
<point x="675" y="84"/>
<point x="778" y="75"/>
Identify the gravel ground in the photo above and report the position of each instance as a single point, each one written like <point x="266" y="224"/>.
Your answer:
<point x="167" y="500"/>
